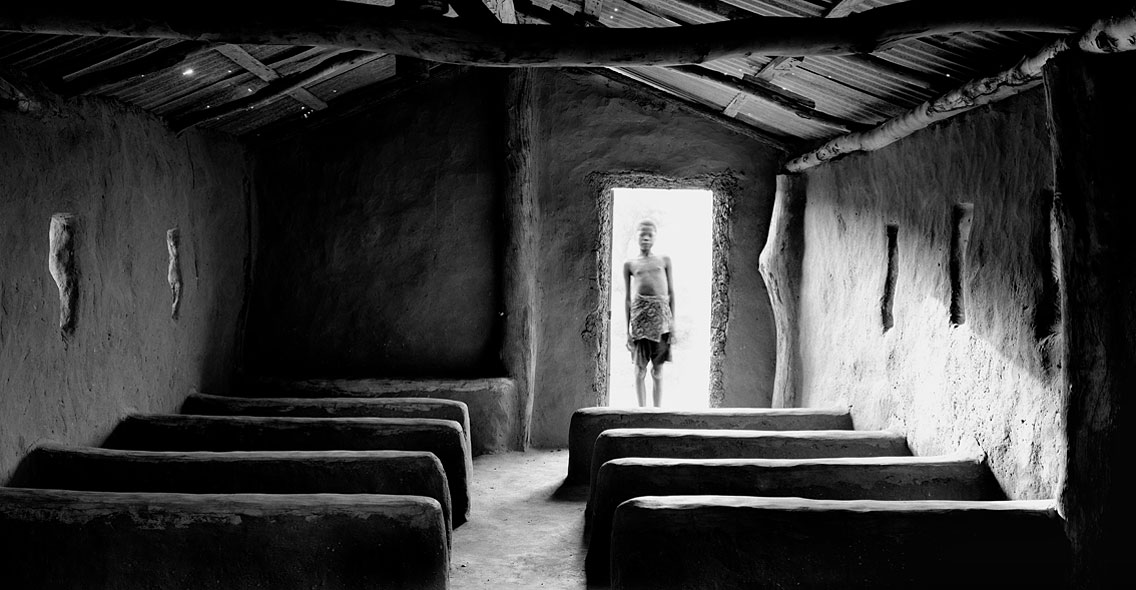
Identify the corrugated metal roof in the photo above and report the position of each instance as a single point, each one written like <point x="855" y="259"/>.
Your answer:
<point x="860" y="90"/>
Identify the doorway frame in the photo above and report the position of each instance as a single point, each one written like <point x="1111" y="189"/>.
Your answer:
<point x="723" y="188"/>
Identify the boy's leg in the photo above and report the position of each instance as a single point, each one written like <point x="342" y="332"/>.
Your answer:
<point x="657" y="379"/>
<point x="640" y="386"/>
<point x="639" y="358"/>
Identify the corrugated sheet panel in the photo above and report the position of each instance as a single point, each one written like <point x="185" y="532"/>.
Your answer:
<point x="708" y="93"/>
<point x="174" y="90"/>
<point x="366" y="74"/>
<point x="837" y="99"/>
<point x="249" y="120"/>
<point x="682" y="12"/>
<point x="769" y="116"/>
<point x="782" y="7"/>
<point x="761" y="114"/>
<point x="618" y="14"/>
<point x="54" y="57"/>
<point x="882" y="87"/>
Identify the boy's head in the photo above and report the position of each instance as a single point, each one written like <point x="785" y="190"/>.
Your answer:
<point x="645" y="231"/>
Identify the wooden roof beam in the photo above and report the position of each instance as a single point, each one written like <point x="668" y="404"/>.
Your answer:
<point x="452" y="41"/>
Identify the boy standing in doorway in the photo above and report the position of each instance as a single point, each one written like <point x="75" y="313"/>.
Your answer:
<point x="649" y="303"/>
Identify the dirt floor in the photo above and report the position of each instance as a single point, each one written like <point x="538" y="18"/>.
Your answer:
<point x="524" y="531"/>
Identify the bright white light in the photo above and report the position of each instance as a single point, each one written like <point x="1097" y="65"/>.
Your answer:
<point x="187" y="72"/>
<point x="685" y="222"/>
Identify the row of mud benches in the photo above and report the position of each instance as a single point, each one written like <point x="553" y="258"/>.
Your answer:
<point x="247" y="493"/>
<point x="795" y="498"/>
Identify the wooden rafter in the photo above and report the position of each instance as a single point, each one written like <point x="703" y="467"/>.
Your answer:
<point x="277" y="88"/>
<point x="452" y="41"/>
<point x="257" y="68"/>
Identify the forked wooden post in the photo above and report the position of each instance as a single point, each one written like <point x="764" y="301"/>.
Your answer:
<point x="780" y="265"/>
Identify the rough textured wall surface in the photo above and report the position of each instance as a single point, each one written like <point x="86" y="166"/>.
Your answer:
<point x="127" y="180"/>
<point x="591" y="127"/>
<point x="992" y="380"/>
<point x="377" y="253"/>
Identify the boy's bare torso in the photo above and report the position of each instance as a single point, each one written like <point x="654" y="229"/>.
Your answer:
<point x="648" y="274"/>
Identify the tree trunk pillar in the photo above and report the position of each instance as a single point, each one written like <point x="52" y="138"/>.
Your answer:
<point x="520" y="225"/>
<point x="1093" y="123"/>
<point x="780" y="265"/>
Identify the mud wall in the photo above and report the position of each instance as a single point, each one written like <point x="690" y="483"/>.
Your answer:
<point x="993" y="380"/>
<point x="593" y="133"/>
<point x="377" y="253"/>
<point x="127" y="180"/>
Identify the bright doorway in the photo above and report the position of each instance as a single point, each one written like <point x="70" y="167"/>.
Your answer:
<point x="685" y="220"/>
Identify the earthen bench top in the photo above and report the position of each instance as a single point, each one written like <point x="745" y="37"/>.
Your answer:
<point x="614" y="443"/>
<point x="605" y="411"/>
<point x="973" y="465"/>
<point x="746" y="434"/>
<point x="27" y="503"/>
<point x="329" y="407"/>
<point x="1047" y="507"/>
<point x="587" y="424"/>
<point x="231" y="456"/>
<point x="373" y="386"/>
<point x="324" y="401"/>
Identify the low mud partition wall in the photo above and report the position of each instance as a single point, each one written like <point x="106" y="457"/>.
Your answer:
<point x="737" y="542"/>
<point x="212" y="542"/>
<point x="492" y="403"/>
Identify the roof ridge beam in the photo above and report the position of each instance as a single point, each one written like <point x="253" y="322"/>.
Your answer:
<point x="451" y="41"/>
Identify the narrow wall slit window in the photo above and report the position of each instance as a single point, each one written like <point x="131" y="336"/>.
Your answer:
<point x="961" y="218"/>
<point x="887" y="301"/>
